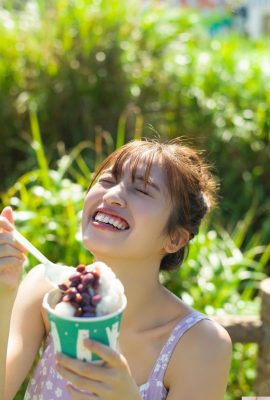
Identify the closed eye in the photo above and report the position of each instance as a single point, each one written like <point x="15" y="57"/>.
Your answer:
<point x="142" y="191"/>
<point x="106" y="181"/>
<point x="110" y="182"/>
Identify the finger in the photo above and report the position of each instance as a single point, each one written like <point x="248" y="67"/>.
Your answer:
<point x="86" y="370"/>
<point x="7" y="238"/>
<point x="5" y="224"/>
<point x="6" y="250"/>
<point x="80" y="382"/>
<point x="109" y="355"/>
<point x="12" y="262"/>
<point x="76" y="395"/>
<point x="10" y="272"/>
<point x="7" y="212"/>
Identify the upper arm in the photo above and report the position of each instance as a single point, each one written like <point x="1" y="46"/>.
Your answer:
<point x="200" y="364"/>
<point x="26" y="329"/>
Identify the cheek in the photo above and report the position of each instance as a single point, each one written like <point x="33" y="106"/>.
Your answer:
<point x="89" y="202"/>
<point x="153" y="217"/>
<point x="85" y="211"/>
<point x="92" y="196"/>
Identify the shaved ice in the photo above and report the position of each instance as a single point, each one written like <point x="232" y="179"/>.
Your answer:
<point x="92" y="291"/>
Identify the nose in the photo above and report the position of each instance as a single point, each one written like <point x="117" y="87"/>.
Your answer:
<point x="115" y="196"/>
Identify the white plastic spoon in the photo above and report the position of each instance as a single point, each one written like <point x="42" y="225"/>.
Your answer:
<point x="55" y="273"/>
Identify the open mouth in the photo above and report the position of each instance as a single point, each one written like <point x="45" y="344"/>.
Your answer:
<point x="110" y="220"/>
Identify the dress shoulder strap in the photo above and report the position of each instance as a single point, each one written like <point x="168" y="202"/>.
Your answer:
<point x="164" y="357"/>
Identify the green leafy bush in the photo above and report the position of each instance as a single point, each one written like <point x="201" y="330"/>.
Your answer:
<point x="85" y="64"/>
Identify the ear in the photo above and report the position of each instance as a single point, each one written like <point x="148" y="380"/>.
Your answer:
<point x="176" y="241"/>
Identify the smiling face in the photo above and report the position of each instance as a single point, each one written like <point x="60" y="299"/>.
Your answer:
<point x="126" y="211"/>
<point x="147" y="192"/>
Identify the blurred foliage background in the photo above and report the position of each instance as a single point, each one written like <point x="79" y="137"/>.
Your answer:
<point x="79" y="78"/>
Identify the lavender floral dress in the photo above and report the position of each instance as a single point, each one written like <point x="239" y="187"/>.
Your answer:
<point x="47" y="384"/>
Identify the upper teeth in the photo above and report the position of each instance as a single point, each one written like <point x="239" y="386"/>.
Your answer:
<point x="110" y="220"/>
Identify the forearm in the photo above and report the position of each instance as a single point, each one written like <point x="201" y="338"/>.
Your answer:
<point x="7" y="298"/>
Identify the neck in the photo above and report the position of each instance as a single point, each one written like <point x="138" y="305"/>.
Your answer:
<point x="141" y="282"/>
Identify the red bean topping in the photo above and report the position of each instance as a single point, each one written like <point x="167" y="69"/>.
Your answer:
<point x="96" y="299"/>
<point x="78" y="312"/>
<point x="82" y="291"/>
<point x="78" y="298"/>
<point x="96" y="284"/>
<point x="75" y="278"/>
<point x="80" y="268"/>
<point x="71" y="292"/>
<point x="89" y="308"/>
<point x="86" y="298"/>
<point x="80" y="288"/>
<point x="87" y="279"/>
<point x="88" y="314"/>
<point x="63" y="287"/>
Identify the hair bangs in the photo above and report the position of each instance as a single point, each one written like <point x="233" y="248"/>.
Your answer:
<point x="139" y="157"/>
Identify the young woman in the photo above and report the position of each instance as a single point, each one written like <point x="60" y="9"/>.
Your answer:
<point x="143" y="206"/>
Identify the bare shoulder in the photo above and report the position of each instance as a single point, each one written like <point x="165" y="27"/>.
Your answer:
<point x="36" y="281"/>
<point x="202" y="355"/>
<point x="37" y="272"/>
<point x="207" y="339"/>
<point x="208" y="332"/>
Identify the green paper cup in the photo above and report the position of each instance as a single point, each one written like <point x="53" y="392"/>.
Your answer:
<point x="68" y="334"/>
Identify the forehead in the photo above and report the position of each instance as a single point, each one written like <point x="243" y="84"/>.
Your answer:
<point x="148" y="167"/>
<point x="153" y="165"/>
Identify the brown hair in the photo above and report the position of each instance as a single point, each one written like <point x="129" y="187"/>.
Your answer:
<point x="190" y="183"/>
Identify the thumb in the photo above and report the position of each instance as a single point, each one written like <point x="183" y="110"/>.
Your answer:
<point x="7" y="212"/>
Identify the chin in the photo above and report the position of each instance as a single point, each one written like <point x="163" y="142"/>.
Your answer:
<point x="97" y="249"/>
<point x="87" y="243"/>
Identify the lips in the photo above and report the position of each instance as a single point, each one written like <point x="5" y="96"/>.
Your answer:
<point x="110" y="218"/>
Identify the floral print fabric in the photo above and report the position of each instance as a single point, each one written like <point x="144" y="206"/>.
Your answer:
<point x="154" y="388"/>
